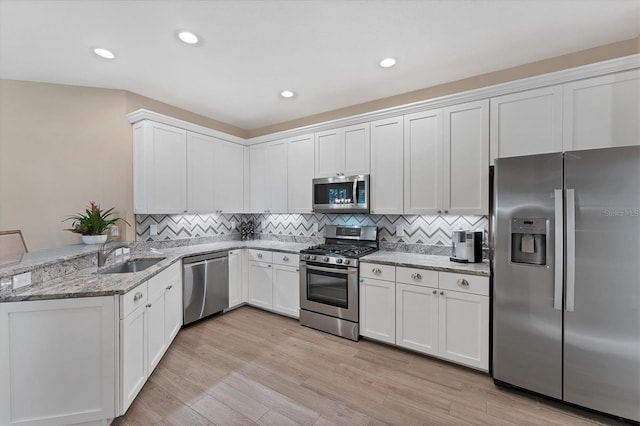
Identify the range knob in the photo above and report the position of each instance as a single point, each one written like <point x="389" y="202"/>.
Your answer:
<point x="338" y="260"/>
<point x="313" y="257"/>
<point x="326" y="259"/>
<point x="306" y="257"/>
<point x="347" y="261"/>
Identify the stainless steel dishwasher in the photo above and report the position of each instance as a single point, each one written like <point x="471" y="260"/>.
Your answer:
<point x="206" y="285"/>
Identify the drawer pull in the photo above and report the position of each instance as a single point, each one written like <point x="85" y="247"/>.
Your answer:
<point x="269" y="265"/>
<point x="259" y="255"/>
<point x="442" y="293"/>
<point x="435" y="292"/>
<point x="416" y="276"/>
<point x="286" y="258"/>
<point x="463" y="282"/>
<point x="169" y="287"/>
<point x="149" y="305"/>
<point x="376" y="270"/>
<point x="137" y="296"/>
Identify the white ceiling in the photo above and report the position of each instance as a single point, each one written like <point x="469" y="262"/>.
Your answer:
<point x="327" y="51"/>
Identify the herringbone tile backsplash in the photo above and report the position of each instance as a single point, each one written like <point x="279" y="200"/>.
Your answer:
<point x="428" y="230"/>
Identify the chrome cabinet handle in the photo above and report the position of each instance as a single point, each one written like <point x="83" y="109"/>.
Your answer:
<point x="149" y="305"/>
<point x="463" y="282"/>
<point x="446" y="211"/>
<point x="259" y="255"/>
<point x="169" y="287"/>
<point x="416" y="276"/>
<point x="137" y="296"/>
<point x="297" y="270"/>
<point x="286" y="258"/>
<point x="442" y="293"/>
<point x="435" y="292"/>
<point x="269" y="266"/>
<point x="376" y="270"/>
<point x="439" y="211"/>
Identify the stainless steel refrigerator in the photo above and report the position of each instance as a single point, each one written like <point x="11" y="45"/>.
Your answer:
<point x="566" y="296"/>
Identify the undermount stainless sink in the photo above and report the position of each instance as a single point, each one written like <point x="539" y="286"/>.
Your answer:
<point x="136" y="265"/>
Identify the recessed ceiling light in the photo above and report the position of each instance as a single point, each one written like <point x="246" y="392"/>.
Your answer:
<point x="388" y="62"/>
<point x="104" y="53"/>
<point x="187" y="37"/>
<point x="287" y="94"/>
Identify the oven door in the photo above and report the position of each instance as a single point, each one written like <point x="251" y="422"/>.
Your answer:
<point x="329" y="290"/>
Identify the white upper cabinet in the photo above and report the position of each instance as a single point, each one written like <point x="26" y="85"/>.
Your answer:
<point x="159" y="168"/>
<point x="526" y="123"/>
<point x="602" y="111"/>
<point x="268" y="177"/>
<point x="300" y="164"/>
<point x="423" y="162"/>
<point x="386" y="166"/>
<point x="466" y="158"/>
<point x="343" y="151"/>
<point x="228" y="172"/>
<point x="201" y="176"/>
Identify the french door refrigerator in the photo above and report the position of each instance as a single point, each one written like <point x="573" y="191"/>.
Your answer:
<point x="566" y="296"/>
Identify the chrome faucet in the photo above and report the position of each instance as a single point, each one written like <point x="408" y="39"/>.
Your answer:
<point x="103" y="253"/>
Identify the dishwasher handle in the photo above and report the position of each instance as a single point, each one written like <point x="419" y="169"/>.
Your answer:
<point x="201" y="258"/>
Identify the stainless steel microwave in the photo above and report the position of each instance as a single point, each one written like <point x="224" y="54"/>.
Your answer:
<point x="341" y="194"/>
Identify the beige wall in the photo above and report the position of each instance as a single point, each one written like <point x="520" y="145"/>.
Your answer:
<point x="61" y="147"/>
<point x="583" y="57"/>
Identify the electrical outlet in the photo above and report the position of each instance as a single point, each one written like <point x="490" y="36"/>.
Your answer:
<point x="118" y="252"/>
<point x="263" y="224"/>
<point x="315" y="227"/>
<point x="233" y="225"/>
<point x="21" y="280"/>
<point x="153" y="230"/>
<point x="126" y="251"/>
<point x="114" y="230"/>
<point x="399" y="231"/>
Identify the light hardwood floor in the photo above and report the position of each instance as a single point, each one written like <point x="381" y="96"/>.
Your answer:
<point x="253" y="367"/>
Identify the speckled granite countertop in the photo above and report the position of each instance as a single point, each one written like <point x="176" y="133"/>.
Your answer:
<point x="88" y="283"/>
<point x="426" y="261"/>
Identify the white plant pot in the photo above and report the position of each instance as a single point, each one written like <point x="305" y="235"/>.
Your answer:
<point x="94" y="239"/>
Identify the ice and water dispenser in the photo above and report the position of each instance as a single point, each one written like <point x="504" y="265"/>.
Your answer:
<point x="529" y="241"/>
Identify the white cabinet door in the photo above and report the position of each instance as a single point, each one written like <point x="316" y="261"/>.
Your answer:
<point x="417" y="318"/>
<point x="464" y="328"/>
<point x="260" y="285"/>
<point x="156" y="345"/>
<point x="356" y="149"/>
<point x="173" y="305"/>
<point x="201" y="158"/>
<point x="228" y="172"/>
<point x="377" y="309"/>
<point x="526" y="123"/>
<point x="342" y="151"/>
<point x="57" y="361"/>
<point x="277" y="176"/>
<point x="258" y="179"/>
<point x="423" y="162"/>
<point x="329" y="148"/>
<point x="466" y="158"/>
<point x="386" y="166"/>
<point x="133" y="356"/>
<point x="300" y="164"/>
<point x="159" y="168"/>
<point x="235" y="278"/>
<point x="602" y="112"/>
<point x="286" y="290"/>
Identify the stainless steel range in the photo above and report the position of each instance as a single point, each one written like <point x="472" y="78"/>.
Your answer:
<point x="329" y="279"/>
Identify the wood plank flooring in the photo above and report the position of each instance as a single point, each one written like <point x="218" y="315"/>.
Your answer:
<point x="252" y="367"/>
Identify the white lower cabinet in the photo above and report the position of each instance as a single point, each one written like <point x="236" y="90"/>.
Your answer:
<point x="377" y="309"/>
<point x="57" y="361"/>
<point x="437" y="313"/>
<point x="260" y="284"/>
<point x="150" y="318"/>
<point x="274" y="281"/>
<point x="235" y="278"/>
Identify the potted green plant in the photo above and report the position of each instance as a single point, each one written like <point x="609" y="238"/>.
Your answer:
<point x="93" y="223"/>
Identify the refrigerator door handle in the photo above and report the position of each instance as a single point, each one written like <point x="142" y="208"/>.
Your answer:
<point x="559" y="249"/>
<point x="571" y="250"/>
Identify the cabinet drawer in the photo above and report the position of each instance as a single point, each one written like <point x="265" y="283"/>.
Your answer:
<point x="261" y="256"/>
<point x="132" y="299"/>
<point x="466" y="283"/>
<point x="415" y="276"/>
<point x="160" y="282"/>
<point x="286" y="259"/>
<point x="377" y="271"/>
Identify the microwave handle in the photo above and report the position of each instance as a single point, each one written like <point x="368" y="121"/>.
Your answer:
<point x="354" y="200"/>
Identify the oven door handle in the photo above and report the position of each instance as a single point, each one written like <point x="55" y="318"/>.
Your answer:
<point x="348" y="271"/>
